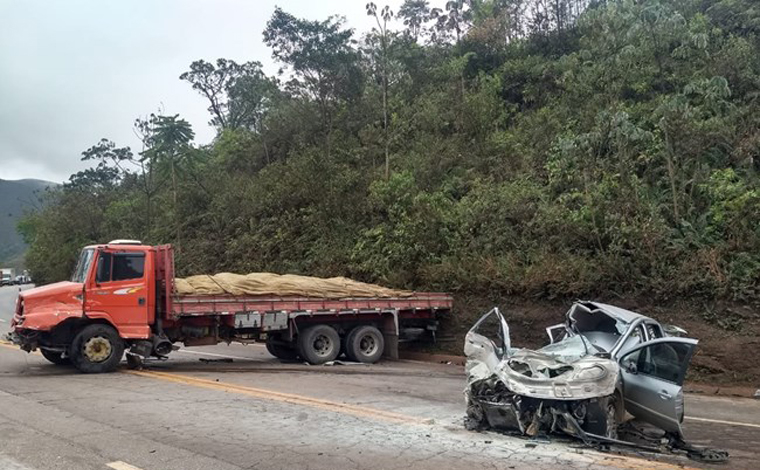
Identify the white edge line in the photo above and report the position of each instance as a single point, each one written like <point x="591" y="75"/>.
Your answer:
<point x="119" y="465"/>
<point x="720" y="421"/>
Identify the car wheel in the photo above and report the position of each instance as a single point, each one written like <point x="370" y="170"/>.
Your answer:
<point x="55" y="357"/>
<point x="96" y="349"/>
<point x="611" y="419"/>
<point x="603" y="417"/>
<point x="319" y="344"/>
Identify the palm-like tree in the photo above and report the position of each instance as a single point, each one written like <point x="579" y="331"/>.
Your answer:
<point x="171" y="147"/>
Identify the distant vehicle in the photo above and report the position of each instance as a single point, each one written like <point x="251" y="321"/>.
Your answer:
<point x="123" y="296"/>
<point x="7" y="276"/>
<point x="22" y="279"/>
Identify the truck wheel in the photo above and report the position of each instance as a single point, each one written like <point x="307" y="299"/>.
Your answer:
<point x="96" y="349"/>
<point x="281" y="351"/>
<point x="319" y="344"/>
<point x="365" y="344"/>
<point x="55" y="357"/>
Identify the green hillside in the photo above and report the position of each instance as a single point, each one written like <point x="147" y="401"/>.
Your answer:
<point x="16" y="198"/>
<point x="555" y="150"/>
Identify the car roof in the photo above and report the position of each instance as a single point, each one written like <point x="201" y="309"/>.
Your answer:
<point x="620" y="314"/>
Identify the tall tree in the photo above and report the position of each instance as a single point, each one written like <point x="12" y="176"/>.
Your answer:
<point x="382" y="30"/>
<point x="171" y="148"/>
<point x="322" y="58"/>
<point x="456" y="17"/>
<point x="238" y="94"/>
<point x="414" y="14"/>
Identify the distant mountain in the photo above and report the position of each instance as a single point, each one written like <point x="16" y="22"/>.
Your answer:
<point x="16" y="198"/>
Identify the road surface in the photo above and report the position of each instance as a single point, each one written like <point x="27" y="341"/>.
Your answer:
<point x="256" y="412"/>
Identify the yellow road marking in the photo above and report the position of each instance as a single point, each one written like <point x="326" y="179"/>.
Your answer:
<point x="119" y="465"/>
<point x="345" y="408"/>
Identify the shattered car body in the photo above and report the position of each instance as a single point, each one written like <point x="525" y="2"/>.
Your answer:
<point x="601" y="364"/>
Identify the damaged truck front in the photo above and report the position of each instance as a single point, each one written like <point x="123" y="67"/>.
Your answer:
<point x="601" y="364"/>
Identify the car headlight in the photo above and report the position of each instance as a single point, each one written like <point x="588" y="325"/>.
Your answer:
<point x="591" y="373"/>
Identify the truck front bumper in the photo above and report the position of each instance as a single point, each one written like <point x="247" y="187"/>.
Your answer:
<point x="26" y="340"/>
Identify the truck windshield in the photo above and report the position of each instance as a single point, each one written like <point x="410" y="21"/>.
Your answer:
<point x="83" y="265"/>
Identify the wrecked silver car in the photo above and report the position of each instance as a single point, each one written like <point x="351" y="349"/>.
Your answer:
<point x="601" y="363"/>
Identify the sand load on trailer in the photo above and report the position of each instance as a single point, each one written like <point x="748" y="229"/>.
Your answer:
<point x="281" y="285"/>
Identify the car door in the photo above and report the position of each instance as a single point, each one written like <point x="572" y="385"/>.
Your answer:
<point x="486" y="344"/>
<point x="652" y="375"/>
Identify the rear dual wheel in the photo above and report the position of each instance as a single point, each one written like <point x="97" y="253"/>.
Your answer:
<point x="280" y="349"/>
<point x="365" y="344"/>
<point x="319" y="344"/>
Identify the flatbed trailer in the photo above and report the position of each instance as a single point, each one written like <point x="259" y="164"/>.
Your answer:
<point x="123" y="297"/>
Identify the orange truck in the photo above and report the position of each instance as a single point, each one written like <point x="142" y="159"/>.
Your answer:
<point x="122" y="298"/>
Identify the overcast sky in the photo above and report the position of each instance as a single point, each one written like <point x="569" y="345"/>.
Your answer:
<point x="75" y="71"/>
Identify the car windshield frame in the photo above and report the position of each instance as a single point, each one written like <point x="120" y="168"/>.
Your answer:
<point x="83" y="265"/>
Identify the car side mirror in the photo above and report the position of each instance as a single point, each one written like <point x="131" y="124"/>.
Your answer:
<point x="630" y="367"/>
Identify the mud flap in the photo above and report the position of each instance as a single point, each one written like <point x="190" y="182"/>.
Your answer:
<point x="390" y="335"/>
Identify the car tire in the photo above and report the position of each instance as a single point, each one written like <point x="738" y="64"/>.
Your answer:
<point x="55" y="357"/>
<point x="281" y="351"/>
<point x="365" y="344"/>
<point x="97" y="349"/>
<point x="603" y="417"/>
<point x="319" y="344"/>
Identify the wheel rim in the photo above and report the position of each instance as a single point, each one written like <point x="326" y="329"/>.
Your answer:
<point x="97" y="349"/>
<point x="368" y="345"/>
<point x="611" y="422"/>
<point x="322" y="345"/>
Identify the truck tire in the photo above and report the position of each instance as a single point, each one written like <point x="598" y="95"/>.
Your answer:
<point x="55" y="357"/>
<point x="319" y="344"/>
<point x="96" y="349"/>
<point x="279" y="350"/>
<point x="365" y="344"/>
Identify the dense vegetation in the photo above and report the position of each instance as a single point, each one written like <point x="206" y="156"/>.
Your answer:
<point x="513" y="147"/>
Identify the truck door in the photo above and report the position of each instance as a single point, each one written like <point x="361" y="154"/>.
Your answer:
<point x="120" y="287"/>
<point x="653" y="374"/>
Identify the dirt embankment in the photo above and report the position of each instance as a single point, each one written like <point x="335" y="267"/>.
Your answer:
<point x="728" y="333"/>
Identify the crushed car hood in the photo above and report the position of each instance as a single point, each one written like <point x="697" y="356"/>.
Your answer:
<point x="533" y="374"/>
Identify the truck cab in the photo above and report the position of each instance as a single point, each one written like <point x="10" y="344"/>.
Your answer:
<point x="109" y="299"/>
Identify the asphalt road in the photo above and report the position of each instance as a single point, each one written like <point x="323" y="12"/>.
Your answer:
<point x="256" y="412"/>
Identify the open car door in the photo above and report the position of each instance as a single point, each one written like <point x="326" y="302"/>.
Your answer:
<point x="653" y="374"/>
<point x="486" y="344"/>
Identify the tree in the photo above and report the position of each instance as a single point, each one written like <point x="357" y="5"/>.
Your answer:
<point x="456" y="17"/>
<point x="238" y="94"/>
<point x="414" y="14"/>
<point x="171" y="148"/>
<point x="322" y="58"/>
<point x="382" y="31"/>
